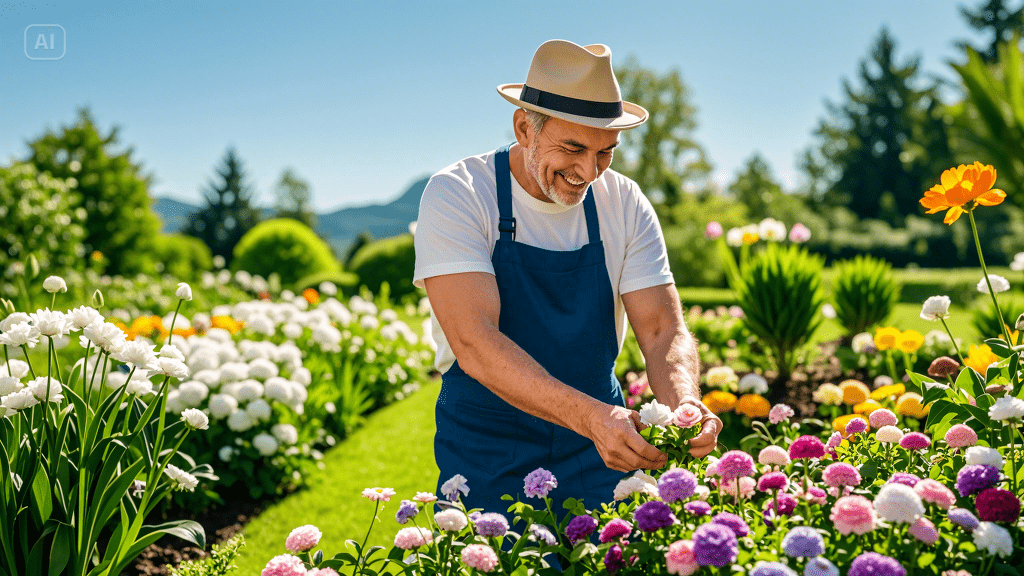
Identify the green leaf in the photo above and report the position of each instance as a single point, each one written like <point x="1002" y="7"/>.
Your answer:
<point x="60" y="551"/>
<point x="42" y="496"/>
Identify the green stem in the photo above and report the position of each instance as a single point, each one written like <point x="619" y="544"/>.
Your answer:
<point x="170" y="334"/>
<point x="1013" y="458"/>
<point x="957" y="348"/>
<point x="984" y="270"/>
<point x="362" y="558"/>
<point x="28" y="360"/>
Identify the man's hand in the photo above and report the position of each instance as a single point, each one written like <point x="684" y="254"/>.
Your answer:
<point x="613" y="429"/>
<point x="711" y="425"/>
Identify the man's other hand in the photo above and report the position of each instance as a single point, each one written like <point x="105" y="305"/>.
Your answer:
<point x="613" y="429"/>
<point x="705" y="442"/>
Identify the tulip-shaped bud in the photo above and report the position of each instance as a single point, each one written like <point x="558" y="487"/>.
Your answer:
<point x="54" y="284"/>
<point x="97" y="299"/>
<point x="33" y="267"/>
<point x="943" y="366"/>
<point x="184" y="291"/>
<point x="1020" y="322"/>
<point x="8" y="305"/>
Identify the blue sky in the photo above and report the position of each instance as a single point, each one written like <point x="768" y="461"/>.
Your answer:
<point x="362" y="98"/>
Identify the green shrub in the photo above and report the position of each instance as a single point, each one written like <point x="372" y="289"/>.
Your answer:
<point x="347" y="282"/>
<point x="985" y="320"/>
<point x="780" y="292"/>
<point x="220" y="562"/>
<point x="183" y="257"/>
<point x="285" y="246"/>
<point x="389" y="260"/>
<point x="865" y="292"/>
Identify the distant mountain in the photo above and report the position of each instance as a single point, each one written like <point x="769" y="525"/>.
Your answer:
<point x="340" y="227"/>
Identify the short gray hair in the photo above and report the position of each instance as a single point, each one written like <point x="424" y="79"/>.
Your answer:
<point x="536" y="120"/>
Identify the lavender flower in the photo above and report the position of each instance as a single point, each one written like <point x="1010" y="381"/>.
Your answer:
<point x="542" y="534"/>
<point x="974" y="478"/>
<point x="613" y="560"/>
<point x="803" y="541"/>
<point x="698" y="508"/>
<point x="732" y="522"/>
<point x="654" y="515"/>
<point x="491" y="524"/>
<point x="406" y="510"/>
<point x="875" y="564"/>
<point x="539" y="483"/>
<point x="962" y="518"/>
<point x="905" y="478"/>
<point x="676" y="484"/>
<point x="714" y="545"/>
<point x="579" y="528"/>
<point x="771" y="569"/>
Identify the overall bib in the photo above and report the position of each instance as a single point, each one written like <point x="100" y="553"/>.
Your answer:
<point x="558" y="307"/>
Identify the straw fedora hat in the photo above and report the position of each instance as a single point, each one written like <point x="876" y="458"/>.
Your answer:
<point x="575" y="83"/>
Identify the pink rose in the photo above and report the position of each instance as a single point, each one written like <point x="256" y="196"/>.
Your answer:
<point x="686" y="415"/>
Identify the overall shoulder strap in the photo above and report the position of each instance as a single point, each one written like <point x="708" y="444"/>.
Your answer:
<point x="506" y="223"/>
<point x="590" y="209"/>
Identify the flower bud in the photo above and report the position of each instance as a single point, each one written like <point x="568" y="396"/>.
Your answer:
<point x="8" y="305"/>
<point x="942" y="367"/>
<point x="97" y="299"/>
<point x="184" y="291"/>
<point x="1020" y="322"/>
<point x="33" y="266"/>
<point x="195" y="419"/>
<point x="54" y="284"/>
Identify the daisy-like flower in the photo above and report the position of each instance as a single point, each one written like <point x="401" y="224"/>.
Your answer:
<point x="20" y="334"/>
<point x="378" y="494"/>
<point x="180" y="479"/>
<point x="999" y="284"/>
<point x="960" y="185"/>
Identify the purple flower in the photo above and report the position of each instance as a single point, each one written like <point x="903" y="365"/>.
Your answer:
<point x="905" y="478"/>
<point x="784" y="504"/>
<point x="539" y="483"/>
<point x="732" y="522"/>
<point x="820" y="567"/>
<point x="615" y="528"/>
<point x="676" y="484"/>
<point x="806" y="447"/>
<point x="771" y="569"/>
<point x="491" y="524"/>
<point x="875" y="564"/>
<point x="698" y="508"/>
<point x="542" y="534"/>
<point x="653" y="515"/>
<point x="803" y="542"/>
<point x="962" y="518"/>
<point x="714" y="545"/>
<point x="856" y="426"/>
<point x="773" y="481"/>
<point x="976" y="477"/>
<point x="734" y="464"/>
<point x="613" y="560"/>
<point x="406" y="510"/>
<point x="580" y="528"/>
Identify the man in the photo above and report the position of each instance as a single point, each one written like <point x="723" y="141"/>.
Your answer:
<point x="532" y="257"/>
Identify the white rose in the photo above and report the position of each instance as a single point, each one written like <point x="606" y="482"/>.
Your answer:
<point x="935" y="307"/>
<point x="999" y="284"/>
<point x="265" y="443"/>
<point x="184" y="291"/>
<point x="655" y="414"/>
<point x="54" y="284"/>
<point x="195" y="419"/>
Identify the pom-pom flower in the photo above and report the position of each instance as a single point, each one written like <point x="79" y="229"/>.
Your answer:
<point x="935" y="492"/>
<point x="889" y="435"/>
<point x="997" y="505"/>
<point x="302" y="539"/>
<point x="898" y="503"/>
<point x="853" y="514"/>
<point x="915" y="441"/>
<point x="773" y="481"/>
<point x="924" y="530"/>
<point x="840" y="474"/>
<point x="653" y="516"/>
<point x="875" y="564"/>
<point x="580" y="527"/>
<point x="962" y="518"/>
<point x="961" y="436"/>
<point x="734" y="464"/>
<point x="803" y="542"/>
<point x="480" y="557"/>
<point x="412" y="537"/>
<point x="491" y="525"/>
<point x="974" y="478"/>
<point x="539" y="483"/>
<point x="677" y="484"/>
<point x="733" y="522"/>
<point x="993" y="538"/>
<point x="780" y="413"/>
<point x="679" y="558"/>
<point x="806" y="447"/>
<point x="615" y="529"/>
<point x="882" y="417"/>
<point x="773" y="456"/>
<point x="714" y="545"/>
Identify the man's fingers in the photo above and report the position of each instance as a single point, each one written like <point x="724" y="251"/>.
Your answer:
<point x="708" y="434"/>
<point x="652" y="456"/>
<point x="634" y="416"/>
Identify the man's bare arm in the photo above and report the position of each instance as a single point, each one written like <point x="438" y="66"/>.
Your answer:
<point x="467" y="307"/>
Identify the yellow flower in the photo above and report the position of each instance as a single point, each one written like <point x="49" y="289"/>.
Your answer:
<point x="889" y="391"/>
<point x="909" y="341"/>
<point x="749" y="238"/>
<point x="961" y="185"/>
<point x="719" y="401"/>
<point x="854" y="391"/>
<point x="828" y="394"/>
<point x="979" y="357"/>
<point x="753" y="405"/>
<point x="226" y="322"/>
<point x="866" y="407"/>
<point x="839" y="424"/>
<point x="910" y="404"/>
<point x="886" y="338"/>
<point x="1013" y="335"/>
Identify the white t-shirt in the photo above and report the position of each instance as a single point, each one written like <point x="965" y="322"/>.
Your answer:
<point x="458" y="227"/>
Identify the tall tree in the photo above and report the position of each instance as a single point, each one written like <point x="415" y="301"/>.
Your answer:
<point x="755" y="186"/>
<point x="661" y="155"/>
<point x="997" y="17"/>
<point x="229" y="213"/>
<point x="293" y="196"/>
<point x="108" y="186"/>
<point x="884" y="145"/>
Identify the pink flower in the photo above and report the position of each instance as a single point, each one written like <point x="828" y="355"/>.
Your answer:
<point x="637" y="387"/>
<point x="961" y="436"/>
<point x="284" y="565"/>
<point x="480" y="557"/>
<point x="424" y="497"/>
<point x="712" y="230"/>
<point x="924" y="530"/>
<point x="379" y="494"/>
<point x="840" y="474"/>
<point x="856" y="426"/>
<point x="686" y="415"/>
<point x="412" y="537"/>
<point x="773" y="481"/>
<point x="302" y="539"/>
<point x="834" y="441"/>
<point x="915" y="441"/>
<point x="882" y="417"/>
<point x="747" y="485"/>
<point x="935" y="492"/>
<point x="680" y="558"/>
<point x="853" y="514"/>
<point x="773" y="456"/>
<point x="735" y="463"/>
<point x="780" y="413"/>
<point x="799" y="233"/>
<point x="806" y="447"/>
<point x="814" y="495"/>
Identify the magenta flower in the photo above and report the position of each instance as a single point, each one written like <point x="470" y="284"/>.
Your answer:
<point x="734" y="464"/>
<point x="915" y="441"/>
<point x="806" y="447"/>
<point x="773" y="481"/>
<point x="615" y="528"/>
<point x="997" y="505"/>
<point x="856" y="426"/>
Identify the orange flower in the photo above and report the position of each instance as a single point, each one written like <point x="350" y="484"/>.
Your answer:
<point x="979" y="357"/>
<point x="719" y="401"/>
<point x="961" y="185"/>
<point x="311" y="295"/>
<point x="854" y="391"/>
<point x="753" y="405"/>
<point x="226" y="322"/>
<point x="889" y="391"/>
<point x="866" y="407"/>
<point x="912" y="404"/>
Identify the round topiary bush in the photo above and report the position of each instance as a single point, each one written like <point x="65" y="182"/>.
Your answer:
<point x="346" y="282"/>
<point x="183" y="257"/>
<point x="285" y="246"/>
<point x="389" y="260"/>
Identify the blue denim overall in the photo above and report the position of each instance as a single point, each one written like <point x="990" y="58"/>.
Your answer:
<point x="558" y="307"/>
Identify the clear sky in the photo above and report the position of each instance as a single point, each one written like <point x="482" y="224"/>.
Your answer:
<point x="362" y="98"/>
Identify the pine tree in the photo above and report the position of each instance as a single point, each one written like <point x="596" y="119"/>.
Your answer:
<point x="884" y="146"/>
<point x="755" y="187"/>
<point x="229" y="213"/>
<point x="293" y="198"/>
<point x="996" y="17"/>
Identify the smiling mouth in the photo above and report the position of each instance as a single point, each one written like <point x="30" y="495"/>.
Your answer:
<point x="572" y="181"/>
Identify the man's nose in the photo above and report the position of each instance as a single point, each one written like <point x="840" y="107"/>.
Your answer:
<point x="587" y="167"/>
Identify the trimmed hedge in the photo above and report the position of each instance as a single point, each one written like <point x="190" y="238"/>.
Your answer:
<point x="390" y="260"/>
<point x="285" y="246"/>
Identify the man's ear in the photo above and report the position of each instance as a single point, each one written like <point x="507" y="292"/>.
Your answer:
<point x="521" y="128"/>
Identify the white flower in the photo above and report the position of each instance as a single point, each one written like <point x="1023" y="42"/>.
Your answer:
<point x="993" y="538"/>
<point x="248" y="390"/>
<point x="889" y="435"/>
<point x="20" y="334"/>
<point x="20" y="400"/>
<point x="14" y="318"/>
<point x="184" y="291"/>
<point x="171" y="351"/>
<point x="451" y="520"/>
<point x="285" y="433"/>
<point x="9" y="385"/>
<point x="753" y="383"/>
<point x="195" y="419"/>
<point x="734" y="237"/>
<point x="278" y="388"/>
<point x="175" y="404"/>
<point x="138" y="386"/>
<point x="193" y="392"/>
<point x="18" y="368"/>
<point x="999" y="284"/>
<point x="180" y="479"/>
<point x="105" y="335"/>
<point x="828" y="311"/>
<point x="259" y="409"/>
<point x="771" y="229"/>
<point x="898" y="503"/>
<point x="327" y="288"/>
<point x="222" y="405"/>
<point x="638" y="482"/>
<point x="935" y="307"/>
<point x="291" y="330"/>
<point x="83" y="316"/>
<point x="138" y="353"/>
<point x="369" y="322"/>
<point x="328" y="337"/>
<point x="240" y="421"/>
<point x="655" y="414"/>
<point x="1007" y="408"/>
<point x="260" y="324"/>
<point x="225" y="453"/>
<point x="171" y="367"/>
<point x="1018" y="262"/>
<point x="42" y="386"/>
<point x="51" y="322"/>
<point x="984" y="455"/>
<point x="862" y="342"/>
<point x="302" y="375"/>
<point x="265" y="444"/>
<point x="54" y="284"/>
<point x="262" y="369"/>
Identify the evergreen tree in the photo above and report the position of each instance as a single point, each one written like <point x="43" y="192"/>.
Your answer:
<point x="293" y="198"/>
<point x="755" y="187"/>
<point x="997" y="17"/>
<point x="361" y="240"/>
<point x="661" y="155"/>
<point x="882" y="148"/>
<point x="229" y="213"/>
<point x="109" y="189"/>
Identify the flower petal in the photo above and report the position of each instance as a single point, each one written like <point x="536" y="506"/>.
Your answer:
<point x="952" y="215"/>
<point x="991" y="198"/>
